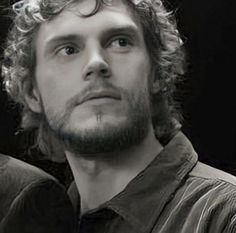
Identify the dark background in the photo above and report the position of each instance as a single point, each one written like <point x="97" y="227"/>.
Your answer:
<point x="208" y="28"/>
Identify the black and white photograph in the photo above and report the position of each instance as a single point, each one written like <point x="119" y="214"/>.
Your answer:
<point x="117" y="116"/>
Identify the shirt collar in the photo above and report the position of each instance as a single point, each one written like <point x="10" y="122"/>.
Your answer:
<point x="144" y="198"/>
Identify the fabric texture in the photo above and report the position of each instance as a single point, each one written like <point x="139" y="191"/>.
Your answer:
<point x="31" y="201"/>
<point x="175" y="193"/>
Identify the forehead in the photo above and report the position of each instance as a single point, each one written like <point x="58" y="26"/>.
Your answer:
<point x="85" y="7"/>
<point x="114" y="14"/>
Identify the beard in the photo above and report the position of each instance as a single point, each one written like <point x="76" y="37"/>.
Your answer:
<point x="108" y="138"/>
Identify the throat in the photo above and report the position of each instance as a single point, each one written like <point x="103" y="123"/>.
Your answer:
<point x="100" y="189"/>
<point x="98" y="183"/>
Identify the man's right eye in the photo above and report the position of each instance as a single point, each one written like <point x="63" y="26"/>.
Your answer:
<point x="68" y="50"/>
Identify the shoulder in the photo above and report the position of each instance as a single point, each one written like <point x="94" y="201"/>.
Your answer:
<point x="213" y="183"/>
<point x="30" y="196"/>
<point x="205" y="201"/>
<point x="203" y="171"/>
<point x="212" y="194"/>
<point x="16" y="176"/>
<point x="15" y="168"/>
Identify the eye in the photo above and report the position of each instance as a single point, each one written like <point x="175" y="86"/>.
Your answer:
<point x="120" y="43"/>
<point x="67" y="50"/>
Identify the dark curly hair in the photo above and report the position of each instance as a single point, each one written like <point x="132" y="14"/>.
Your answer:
<point x="161" y="37"/>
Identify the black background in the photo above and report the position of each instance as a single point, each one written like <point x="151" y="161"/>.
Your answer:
<point x="208" y="28"/>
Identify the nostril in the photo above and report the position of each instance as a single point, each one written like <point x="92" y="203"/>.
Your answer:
<point x="104" y="71"/>
<point x="89" y="73"/>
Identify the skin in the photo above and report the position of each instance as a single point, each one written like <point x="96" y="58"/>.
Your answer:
<point x="76" y="56"/>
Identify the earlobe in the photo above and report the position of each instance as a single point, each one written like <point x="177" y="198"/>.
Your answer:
<point x="32" y="97"/>
<point x="155" y="87"/>
<point x="155" y="83"/>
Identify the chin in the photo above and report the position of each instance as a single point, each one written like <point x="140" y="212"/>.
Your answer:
<point x="98" y="123"/>
<point x="104" y="137"/>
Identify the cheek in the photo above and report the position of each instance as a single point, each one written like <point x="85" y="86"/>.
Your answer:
<point x="132" y="71"/>
<point x="56" y="86"/>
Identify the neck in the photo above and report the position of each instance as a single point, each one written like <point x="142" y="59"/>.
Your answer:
<point x="99" y="181"/>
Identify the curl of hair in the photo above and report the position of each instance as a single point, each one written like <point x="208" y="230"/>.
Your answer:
<point x="161" y="37"/>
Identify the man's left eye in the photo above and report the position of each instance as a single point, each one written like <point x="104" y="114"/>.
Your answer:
<point x="67" y="50"/>
<point x="120" y="42"/>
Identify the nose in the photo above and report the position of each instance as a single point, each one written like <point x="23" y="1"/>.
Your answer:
<point x="96" y="65"/>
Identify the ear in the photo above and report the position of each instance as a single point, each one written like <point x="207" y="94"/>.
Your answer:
<point x="155" y="86"/>
<point x="32" y="96"/>
<point x="155" y="83"/>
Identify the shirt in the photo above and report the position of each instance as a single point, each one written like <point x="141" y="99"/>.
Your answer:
<point x="174" y="194"/>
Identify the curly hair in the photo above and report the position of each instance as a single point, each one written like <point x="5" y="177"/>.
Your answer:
<point x="161" y="37"/>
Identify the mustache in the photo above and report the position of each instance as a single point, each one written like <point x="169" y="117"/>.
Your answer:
<point x="106" y="89"/>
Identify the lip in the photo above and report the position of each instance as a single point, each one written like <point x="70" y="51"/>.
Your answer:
<point x="100" y="94"/>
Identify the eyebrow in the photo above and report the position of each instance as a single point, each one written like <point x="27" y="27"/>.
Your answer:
<point x="121" y="29"/>
<point x="106" y="33"/>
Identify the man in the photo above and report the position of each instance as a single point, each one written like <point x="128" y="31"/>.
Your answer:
<point x="97" y="80"/>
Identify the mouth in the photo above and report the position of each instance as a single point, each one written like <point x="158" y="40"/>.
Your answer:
<point x="101" y="94"/>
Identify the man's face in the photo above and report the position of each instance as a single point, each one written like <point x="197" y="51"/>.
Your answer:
<point x="92" y="77"/>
